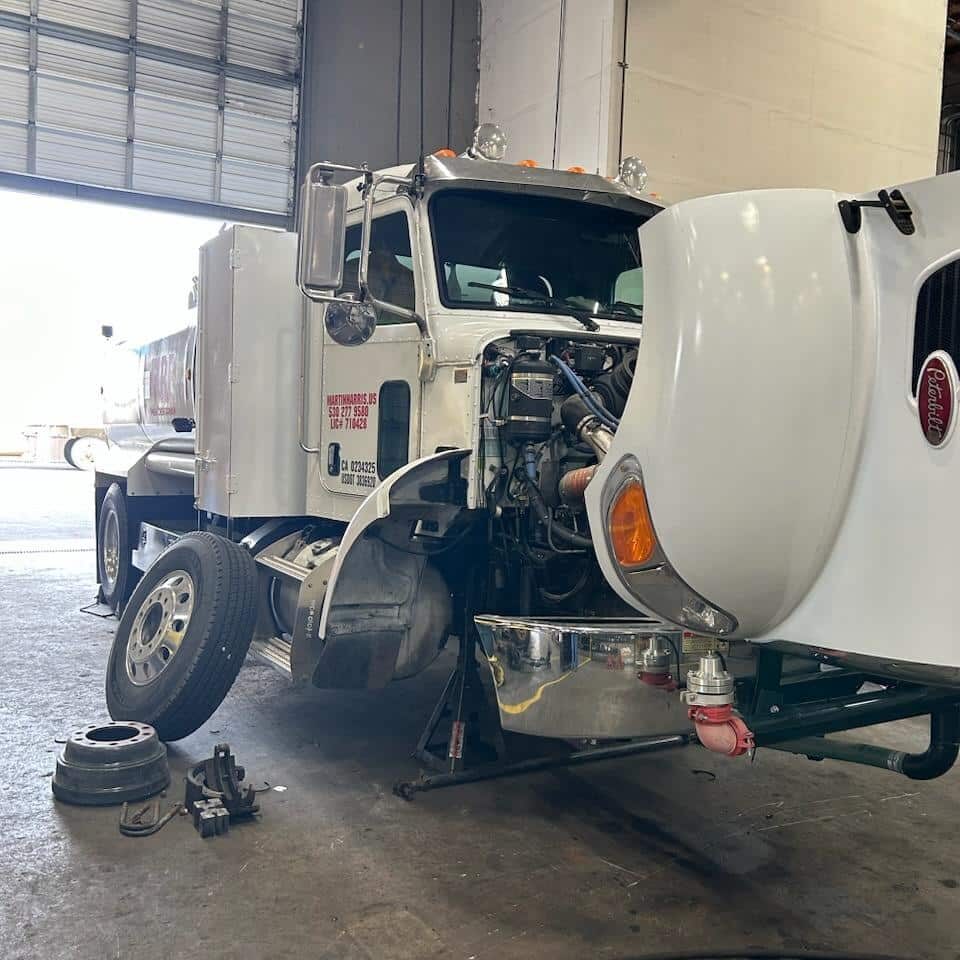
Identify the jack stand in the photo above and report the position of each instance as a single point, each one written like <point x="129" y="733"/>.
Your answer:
<point x="474" y="735"/>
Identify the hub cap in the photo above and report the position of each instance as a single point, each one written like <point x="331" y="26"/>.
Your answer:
<point x="110" y="550"/>
<point x="159" y="626"/>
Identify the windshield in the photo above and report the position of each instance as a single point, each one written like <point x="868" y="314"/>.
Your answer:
<point x="548" y="254"/>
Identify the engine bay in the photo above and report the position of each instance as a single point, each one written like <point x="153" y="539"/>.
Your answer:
<point x="549" y="409"/>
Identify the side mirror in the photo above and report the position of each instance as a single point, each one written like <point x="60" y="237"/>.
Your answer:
<point x="350" y="324"/>
<point x="323" y="227"/>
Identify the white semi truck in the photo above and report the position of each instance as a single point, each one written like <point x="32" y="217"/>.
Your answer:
<point x="672" y="469"/>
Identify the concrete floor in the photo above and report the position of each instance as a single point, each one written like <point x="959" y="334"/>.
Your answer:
<point x="677" y="852"/>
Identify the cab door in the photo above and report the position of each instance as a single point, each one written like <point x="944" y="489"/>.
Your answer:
<point x="370" y="417"/>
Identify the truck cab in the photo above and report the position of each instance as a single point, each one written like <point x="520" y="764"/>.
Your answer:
<point x="641" y="458"/>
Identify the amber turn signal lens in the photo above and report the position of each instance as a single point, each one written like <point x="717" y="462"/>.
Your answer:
<point x="631" y="531"/>
<point x="527" y="163"/>
<point x="444" y="152"/>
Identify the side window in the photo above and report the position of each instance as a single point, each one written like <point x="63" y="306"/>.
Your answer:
<point x="390" y="267"/>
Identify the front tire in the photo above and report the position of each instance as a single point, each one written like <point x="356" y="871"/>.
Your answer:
<point x="183" y="635"/>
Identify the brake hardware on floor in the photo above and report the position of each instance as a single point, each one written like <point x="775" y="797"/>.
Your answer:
<point x="146" y="820"/>
<point x="210" y="817"/>
<point x="214" y="793"/>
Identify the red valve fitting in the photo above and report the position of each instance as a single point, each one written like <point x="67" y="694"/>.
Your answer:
<point x="721" y="730"/>
<point x="662" y="680"/>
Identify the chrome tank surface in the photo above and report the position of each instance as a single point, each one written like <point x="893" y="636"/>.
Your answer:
<point x="577" y="679"/>
<point x="146" y="386"/>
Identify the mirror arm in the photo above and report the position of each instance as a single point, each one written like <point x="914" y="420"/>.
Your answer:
<point x="325" y="170"/>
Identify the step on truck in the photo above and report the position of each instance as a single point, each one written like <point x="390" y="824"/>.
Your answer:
<point x="686" y="468"/>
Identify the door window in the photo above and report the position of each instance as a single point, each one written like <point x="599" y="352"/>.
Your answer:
<point x="390" y="267"/>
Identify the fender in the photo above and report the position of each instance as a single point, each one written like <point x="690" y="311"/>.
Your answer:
<point x="398" y="490"/>
<point x="385" y="608"/>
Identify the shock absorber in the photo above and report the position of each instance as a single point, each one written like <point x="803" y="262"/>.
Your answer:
<point x="709" y="697"/>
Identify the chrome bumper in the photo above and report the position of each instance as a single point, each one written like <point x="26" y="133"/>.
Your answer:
<point x="576" y="679"/>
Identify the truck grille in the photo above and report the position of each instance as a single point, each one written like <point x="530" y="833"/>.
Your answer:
<point x="938" y="318"/>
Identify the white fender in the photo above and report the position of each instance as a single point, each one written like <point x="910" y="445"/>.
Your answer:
<point x="377" y="507"/>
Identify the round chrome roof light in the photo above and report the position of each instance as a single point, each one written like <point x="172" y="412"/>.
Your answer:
<point x="489" y="143"/>
<point x="633" y="173"/>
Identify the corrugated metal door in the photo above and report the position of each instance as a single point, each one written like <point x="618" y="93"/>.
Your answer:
<point x="189" y="101"/>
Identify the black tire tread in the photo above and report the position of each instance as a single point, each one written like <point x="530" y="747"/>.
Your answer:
<point x="128" y="576"/>
<point x="224" y="643"/>
<point x="67" y="452"/>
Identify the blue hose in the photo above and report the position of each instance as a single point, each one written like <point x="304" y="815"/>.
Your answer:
<point x="604" y="416"/>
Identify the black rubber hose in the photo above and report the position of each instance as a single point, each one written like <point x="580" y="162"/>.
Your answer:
<point x="941" y="755"/>
<point x="573" y="411"/>
<point x="558" y="530"/>
<point x="613" y="387"/>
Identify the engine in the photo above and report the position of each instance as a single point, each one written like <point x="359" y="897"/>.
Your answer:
<point x="550" y="407"/>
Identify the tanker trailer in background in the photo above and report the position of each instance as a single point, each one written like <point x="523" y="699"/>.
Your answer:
<point x="678" y="474"/>
<point x="148" y="423"/>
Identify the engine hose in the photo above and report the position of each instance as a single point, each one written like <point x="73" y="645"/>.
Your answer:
<point x="567" y="594"/>
<point x="573" y="484"/>
<point x="604" y="416"/>
<point x="558" y="530"/>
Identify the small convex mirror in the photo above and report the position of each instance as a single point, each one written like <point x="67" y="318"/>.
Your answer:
<point x="350" y="324"/>
<point x="323" y="213"/>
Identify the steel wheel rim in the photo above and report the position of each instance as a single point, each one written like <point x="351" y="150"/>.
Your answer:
<point x="110" y="550"/>
<point x="84" y="452"/>
<point x="159" y="626"/>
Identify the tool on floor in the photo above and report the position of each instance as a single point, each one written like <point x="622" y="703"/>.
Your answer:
<point x="214" y="793"/>
<point x="146" y="820"/>
<point x="101" y="610"/>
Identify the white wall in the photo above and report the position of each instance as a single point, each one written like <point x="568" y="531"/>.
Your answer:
<point x="520" y="54"/>
<point x="735" y="94"/>
<point x="721" y="95"/>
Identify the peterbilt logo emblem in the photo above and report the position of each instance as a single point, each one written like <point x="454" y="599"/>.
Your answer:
<point x="937" y="398"/>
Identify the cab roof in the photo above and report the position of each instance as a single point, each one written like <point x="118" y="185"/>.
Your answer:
<point x="445" y="172"/>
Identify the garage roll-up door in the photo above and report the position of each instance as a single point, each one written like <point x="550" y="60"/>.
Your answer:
<point x="180" y="103"/>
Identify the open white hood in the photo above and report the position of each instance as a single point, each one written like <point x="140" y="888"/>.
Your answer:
<point x="773" y="418"/>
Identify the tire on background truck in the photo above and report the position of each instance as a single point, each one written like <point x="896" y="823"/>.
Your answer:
<point x="68" y="452"/>
<point x="82" y="452"/>
<point x="183" y="635"/>
<point x="115" y="570"/>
